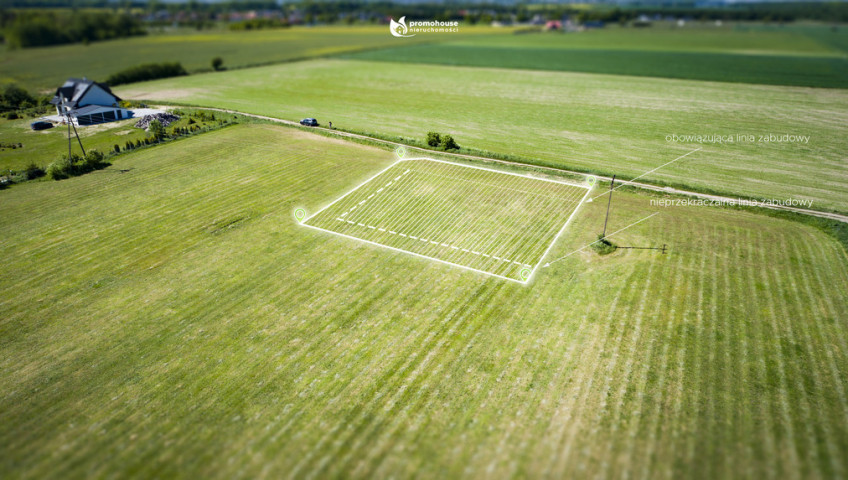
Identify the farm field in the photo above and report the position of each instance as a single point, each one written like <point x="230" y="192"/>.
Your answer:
<point x="807" y="71"/>
<point x="44" y="69"/>
<point x="489" y="221"/>
<point x="814" y="56"/>
<point x="732" y="38"/>
<point x="604" y="124"/>
<point x="175" y="321"/>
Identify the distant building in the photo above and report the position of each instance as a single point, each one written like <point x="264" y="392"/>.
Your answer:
<point x="88" y="102"/>
<point x="553" y="25"/>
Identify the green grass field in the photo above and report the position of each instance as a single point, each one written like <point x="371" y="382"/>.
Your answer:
<point x="742" y="39"/>
<point x="44" y="69"/>
<point x="174" y="321"/>
<point x="807" y="71"/>
<point x="789" y="56"/>
<point x="600" y="123"/>
<point x="810" y="55"/>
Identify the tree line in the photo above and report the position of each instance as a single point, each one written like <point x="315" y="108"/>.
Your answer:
<point x="35" y="27"/>
<point x="38" y="28"/>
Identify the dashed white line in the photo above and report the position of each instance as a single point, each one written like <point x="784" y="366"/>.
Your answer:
<point x="375" y="193"/>
<point x="434" y="242"/>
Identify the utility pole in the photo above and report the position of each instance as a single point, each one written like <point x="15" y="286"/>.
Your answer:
<point x="608" y="207"/>
<point x="68" y="119"/>
<point x="67" y="112"/>
<point x="78" y="138"/>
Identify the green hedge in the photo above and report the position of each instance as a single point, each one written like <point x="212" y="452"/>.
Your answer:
<point x="150" y="71"/>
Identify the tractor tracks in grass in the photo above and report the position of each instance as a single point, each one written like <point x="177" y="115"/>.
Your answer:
<point x="719" y="199"/>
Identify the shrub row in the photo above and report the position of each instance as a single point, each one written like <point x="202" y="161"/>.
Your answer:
<point x="149" y="71"/>
<point x="31" y="172"/>
<point x="76" y="165"/>
<point x="158" y="133"/>
<point x="259" y="24"/>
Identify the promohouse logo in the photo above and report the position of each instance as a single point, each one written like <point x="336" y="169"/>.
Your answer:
<point x="400" y="29"/>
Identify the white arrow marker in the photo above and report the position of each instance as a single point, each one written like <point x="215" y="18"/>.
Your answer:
<point x="625" y="182"/>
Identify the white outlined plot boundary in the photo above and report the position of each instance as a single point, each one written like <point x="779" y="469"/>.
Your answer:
<point x="484" y="258"/>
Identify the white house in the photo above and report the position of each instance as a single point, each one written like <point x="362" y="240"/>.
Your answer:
<point x="88" y="102"/>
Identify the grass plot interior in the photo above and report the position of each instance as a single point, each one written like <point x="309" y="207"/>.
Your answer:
<point x="493" y="222"/>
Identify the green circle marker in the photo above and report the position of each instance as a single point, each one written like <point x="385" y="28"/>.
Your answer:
<point x="299" y="214"/>
<point x="400" y="152"/>
<point x="525" y="273"/>
<point x="591" y="180"/>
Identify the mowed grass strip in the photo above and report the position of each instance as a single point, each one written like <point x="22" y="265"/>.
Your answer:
<point x="490" y="221"/>
<point x="605" y="124"/>
<point x="175" y="321"/>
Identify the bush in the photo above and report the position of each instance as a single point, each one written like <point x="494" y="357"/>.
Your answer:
<point x="13" y="97"/>
<point x="603" y="246"/>
<point x="150" y="71"/>
<point x="117" y="148"/>
<point x="156" y="130"/>
<point x="11" y="116"/>
<point x="77" y="165"/>
<point x="217" y="63"/>
<point x="93" y="160"/>
<point x="448" y="143"/>
<point x="33" y="171"/>
<point x="62" y="168"/>
<point x="259" y="24"/>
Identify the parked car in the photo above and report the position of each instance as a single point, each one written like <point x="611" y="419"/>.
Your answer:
<point x="40" y="125"/>
<point x="309" y="122"/>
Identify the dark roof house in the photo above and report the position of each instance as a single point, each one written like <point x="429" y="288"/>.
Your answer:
<point x="89" y="102"/>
